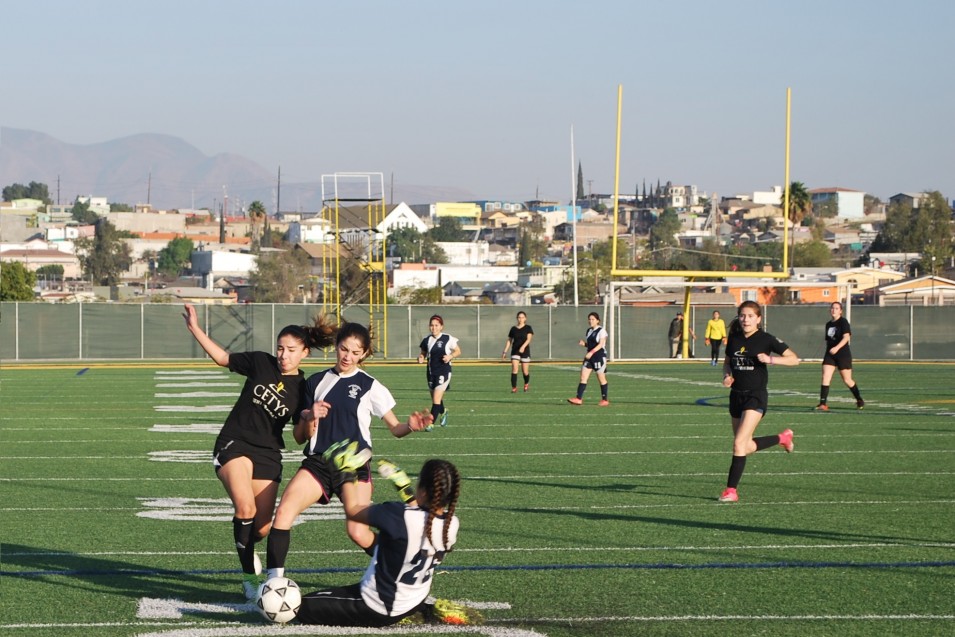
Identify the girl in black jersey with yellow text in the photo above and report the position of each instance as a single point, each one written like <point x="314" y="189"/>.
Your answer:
<point x="838" y="356"/>
<point x="248" y="451"/>
<point x="437" y="352"/>
<point x="414" y="538"/>
<point x="749" y="351"/>
<point x="518" y="345"/>
<point x="338" y="405"/>
<point x="595" y="360"/>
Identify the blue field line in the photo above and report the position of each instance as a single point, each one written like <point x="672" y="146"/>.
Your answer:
<point x="515" y="567"/>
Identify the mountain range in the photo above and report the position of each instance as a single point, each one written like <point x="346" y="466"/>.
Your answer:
<point x="166" y="172"/>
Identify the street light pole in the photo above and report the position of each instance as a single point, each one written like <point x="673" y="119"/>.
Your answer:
<point x="933" y="280"/>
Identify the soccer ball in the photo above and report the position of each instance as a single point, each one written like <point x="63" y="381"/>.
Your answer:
<point x="279" y="599"/>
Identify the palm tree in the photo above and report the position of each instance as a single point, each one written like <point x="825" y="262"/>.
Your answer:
<point x="256" y="216"/>
<point x="800" y="206"/>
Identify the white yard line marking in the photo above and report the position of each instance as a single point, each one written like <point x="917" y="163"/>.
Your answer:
<point x="864" y="546"/>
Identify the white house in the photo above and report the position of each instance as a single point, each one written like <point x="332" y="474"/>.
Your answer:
<point x="211" y="264"/>
<point x="415" y="276"/>
<point x="849" y="203"/>
<point x="466" y="252"/>
<point x="773" y="197"/>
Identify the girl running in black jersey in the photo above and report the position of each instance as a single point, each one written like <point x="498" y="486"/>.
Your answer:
<point x="595" y="360"/>
<point x="248" y="452"/>
<point x="838" y="356"/>
<point x="749" y="351"/>
<point x="437" y="351"/>
<point x="339" y="405"/>
<point x="518" y="345"/>
<point x="414" y="538"/>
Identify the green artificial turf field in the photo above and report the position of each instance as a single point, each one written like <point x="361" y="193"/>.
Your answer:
<point x="583" y="521"/>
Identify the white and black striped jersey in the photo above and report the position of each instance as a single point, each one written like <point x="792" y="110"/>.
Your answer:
<point x="399" y="576"/>
<point x="434" y="350"/>
<point x="354" y="399"/>
<point x="593" y="337"/>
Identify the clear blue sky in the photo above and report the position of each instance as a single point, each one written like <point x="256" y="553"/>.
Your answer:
<point x="482" y="95"/>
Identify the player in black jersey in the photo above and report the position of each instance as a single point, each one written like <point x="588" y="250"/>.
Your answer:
<point x="248" y="452"/>
<point x="414" y="538"/>
<point x="749" y="352"/>
<point x="518" y="345"/>
<point x="437" y="352"/>
<point x="838" y="356"/>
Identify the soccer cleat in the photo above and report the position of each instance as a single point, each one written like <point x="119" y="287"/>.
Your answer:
<point x="603" y="402"/>
<point x="444" y="419"/>
<point x="250" y="585"/>
<point x="786" y="440"/>
<point x="575" y="401"/>
<point x="392" y="472"/>
<point x="729" y="495"/>
<point x="414" y="619"/>
<point x="514" y="390"/>
<point x="860" y="404"/>
<point x="444" y="611"/>
<point x="822" y="407"/>
<point x="527" y="387"/>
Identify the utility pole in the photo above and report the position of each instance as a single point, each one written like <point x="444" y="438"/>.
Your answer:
<point x="278" y="194"/>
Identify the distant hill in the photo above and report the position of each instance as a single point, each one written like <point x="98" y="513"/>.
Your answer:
<point x="166" y="170"/>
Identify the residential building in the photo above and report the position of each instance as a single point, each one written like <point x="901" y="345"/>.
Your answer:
<point x="773" y="197"/>
<point x="850" y="204"/>
<point x="911" y="199"/>
<point x="37" y="254"/>
<point x="923" y="290"/>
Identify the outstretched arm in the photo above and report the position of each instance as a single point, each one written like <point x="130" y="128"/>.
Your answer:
<point x="215" y="352"/>
<point x="418" y="421"/>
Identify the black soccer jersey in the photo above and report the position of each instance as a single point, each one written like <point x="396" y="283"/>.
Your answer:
<point x="835" y="330"/>
<point x="518" y="336"/>
<point x="269" y="400"/>
<point x="748" y="373"/>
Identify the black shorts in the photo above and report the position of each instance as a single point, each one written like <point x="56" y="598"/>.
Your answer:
<point x="266" y="463"/>
<point x="518" y="356"/>
<point x="741" y="401"/>
<point x="842" y="359"/>
<point x="343" y="606"/>
<point x="439" y="381"/>
<point x="327" y="476"/>
<point x="596" y="363"/>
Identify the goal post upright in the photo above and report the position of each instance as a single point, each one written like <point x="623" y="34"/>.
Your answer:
<point x="366" y="189"/>
<point x="694" y="278"/>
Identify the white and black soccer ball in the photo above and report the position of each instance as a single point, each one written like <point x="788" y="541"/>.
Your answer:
<point x="279" y="599"/>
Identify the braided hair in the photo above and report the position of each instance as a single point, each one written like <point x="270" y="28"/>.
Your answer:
<point x="442" y="485"/>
